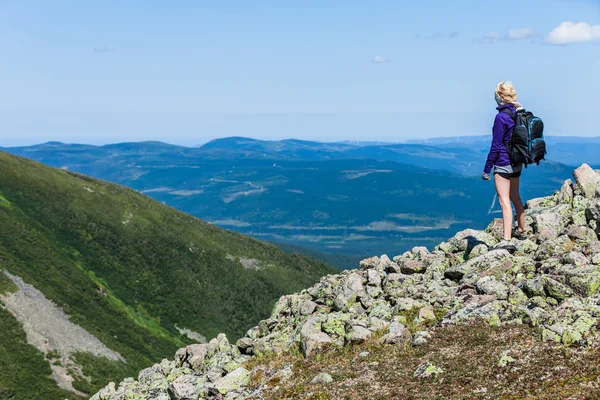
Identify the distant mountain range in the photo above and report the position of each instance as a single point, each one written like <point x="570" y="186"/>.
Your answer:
<point x="105" y="281"/>
<point x="338" y="198"/>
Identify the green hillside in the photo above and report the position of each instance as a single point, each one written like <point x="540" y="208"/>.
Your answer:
<point x="128" y="270"/>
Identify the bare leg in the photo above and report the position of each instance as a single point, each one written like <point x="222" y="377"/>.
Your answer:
<point x="503" y="190"/>
<point x="515" y="197"/>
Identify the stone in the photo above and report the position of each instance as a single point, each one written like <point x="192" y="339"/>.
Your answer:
<point x="575" y="258"/>
<point x="587" y="180"/>
<point x="322" y="379"/>
<point x="233" y="381"/>
<point x="195" y="355"/>
<point x="182" y="389"/>
<point x="420" y="338"/>
<point x="381" y="309"/>
<point x="592" y="213"/>
<point x="489" y="285"/>
<point x="358" y="334"/>
<point x="397" y="333"/>
<point x="537" y="202"/>
<point x="425" y="315"/>
<point x="582" y="234"/>
<point x="374" y="277"/>
<point x="584" y="280"/>
<point x="311" y="336"/>
<point x="412" y="267"/>
<point x="565" y="195"/>
<point x="467" y="239"/>
<point x="550" y="222"/>
<point x="245" y="345"/>
<point x="485" y="261"/>
<point x="505" y="359"/>
<point x="427" y="370"/>
<point x="555" y="289"/>
<point x="308" y="307"/>
<point x="420" y="252"/>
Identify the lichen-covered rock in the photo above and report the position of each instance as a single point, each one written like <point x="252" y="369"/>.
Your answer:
<point x="587" y="180"/>
<point x="311" y="336"/>
<point x="477" y="264"/>
<point x="322" y="379"/>
<point x="233" y="381"/>
<point x="565" y="195"/>
<point x="505" y="359"/>
<point x="427" y="370"/>
<point x="397" y="333"/>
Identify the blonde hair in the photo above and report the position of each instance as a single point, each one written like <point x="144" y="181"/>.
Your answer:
<point x="507" y="93"/>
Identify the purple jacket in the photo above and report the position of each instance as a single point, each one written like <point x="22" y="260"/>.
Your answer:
<point x="503" y="128"/>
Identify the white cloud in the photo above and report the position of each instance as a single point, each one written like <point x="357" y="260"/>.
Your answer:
<point x="522" y="33"/>
<point x="570" y="32"/>
<point x="380" y="60"/>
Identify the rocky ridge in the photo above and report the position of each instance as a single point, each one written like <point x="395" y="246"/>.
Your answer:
<point x="551" y="282"/>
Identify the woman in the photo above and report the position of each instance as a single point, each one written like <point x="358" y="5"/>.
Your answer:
<point x="506" y="176"/>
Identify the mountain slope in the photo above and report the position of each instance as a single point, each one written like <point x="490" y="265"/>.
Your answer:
<point x="333" y="199"/>
<point x="485" y="321"/>
<point x="129" y="270"/>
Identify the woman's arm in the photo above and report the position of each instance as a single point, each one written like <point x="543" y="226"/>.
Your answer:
<point x="497" y="143"/>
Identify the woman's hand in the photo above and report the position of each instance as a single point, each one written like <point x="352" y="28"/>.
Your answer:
<point x="486" y="176"/>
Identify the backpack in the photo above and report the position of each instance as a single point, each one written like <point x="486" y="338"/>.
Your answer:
<point x="526" y="145"/>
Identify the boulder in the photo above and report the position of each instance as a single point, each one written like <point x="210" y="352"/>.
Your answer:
<point x="588" y="180"/>
<point x="477" y="264"/>
<point x="233" y="381"/>
<point x="592" y="213"/>
<point x="183" y="388"/>
<point x="427" y="370"/>
<point x="565" y="195"/>
<point x="311" y="336"/>
<point x="397" y="333"/>
<point x="409" y="267"/>
<point x="322" y="379"/>
<point x="489" y="285"/>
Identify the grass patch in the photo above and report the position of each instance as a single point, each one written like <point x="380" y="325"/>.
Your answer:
<point x="6" y="285"/>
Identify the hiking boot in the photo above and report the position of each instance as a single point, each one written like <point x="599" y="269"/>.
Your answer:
<point x="506" y="245"/>
<point x="517" y="234"/>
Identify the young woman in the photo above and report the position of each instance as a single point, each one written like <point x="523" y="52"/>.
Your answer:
<point x="506" y="176"/>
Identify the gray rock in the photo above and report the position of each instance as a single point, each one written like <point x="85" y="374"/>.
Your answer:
<point x="489" y="285"/>
<point x="311" y="336"/>
<point x="358" y="334"/>
<point x="588" y="180"/>
<point x="592" y="213"/>
<point x="412" y="267"/>
<point x="420" y="338"/>
<point x="427" y="370"/>
<point x="477" y="264"/>
<point x="183" y="389"/>
<point x="582" y="234"/>
<point x="397" y="333"/>
<point x="575" y="258"/>
<point x="565" y="195"/>
<point x="322" y="379"/>
<point x="233" y="381"/>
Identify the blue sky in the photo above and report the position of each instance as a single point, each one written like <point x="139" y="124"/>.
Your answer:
<point x="189" y="71"/>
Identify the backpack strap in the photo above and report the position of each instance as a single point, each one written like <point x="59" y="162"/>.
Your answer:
<point x="513" y="116"/>
<point x="509" y="112"/>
